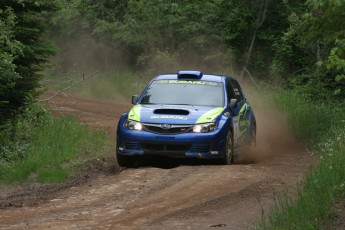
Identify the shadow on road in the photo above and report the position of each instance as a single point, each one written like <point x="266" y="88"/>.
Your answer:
<point x="169" y="163"/>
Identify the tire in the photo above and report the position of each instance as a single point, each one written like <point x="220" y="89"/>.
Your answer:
<point x="229" y="150"/>
<point x="125" y="161"/>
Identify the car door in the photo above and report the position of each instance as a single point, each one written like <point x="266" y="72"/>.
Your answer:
<point x="241" y="114"/>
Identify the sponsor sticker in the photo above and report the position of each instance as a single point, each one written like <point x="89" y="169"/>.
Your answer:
<point x="169" y="117"/>
<point x="210" y="83"/>
<point x="236" y="127"/>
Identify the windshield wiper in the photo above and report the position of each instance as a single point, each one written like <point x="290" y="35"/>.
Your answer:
<point x="147" y="103"/>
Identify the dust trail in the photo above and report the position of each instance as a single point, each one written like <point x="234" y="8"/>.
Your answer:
<point x="274" y="135"/>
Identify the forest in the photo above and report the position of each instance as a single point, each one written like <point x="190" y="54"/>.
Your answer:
<point x="298" y="44"/>
<point x="295" y="45"/>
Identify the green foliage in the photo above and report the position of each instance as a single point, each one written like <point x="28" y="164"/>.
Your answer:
<point x="239" y="22"/>
<point x="15" y="134"/>
<point x="322" y="126"/>
<point x="9" y="49"/>
<point x="213" y="34"/>
<point x="296" y="41"/>
<point x="45" y="149"/>
<point x="336" y="64"/>
<point x="23" y="52"/>
<point x="312" y="49"/>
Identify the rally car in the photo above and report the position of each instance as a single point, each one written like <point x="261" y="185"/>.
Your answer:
<point x="187" y="114"/>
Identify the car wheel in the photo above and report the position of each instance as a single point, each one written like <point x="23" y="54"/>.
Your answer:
<point x="229" y="150"/>
<point x="125" y="161"/>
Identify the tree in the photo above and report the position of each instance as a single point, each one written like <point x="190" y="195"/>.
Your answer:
<point x="9" y="49"/>
<point x="311" y="52"/>
<point x="30" y="20"/>
<point x="140" y="29"/>
<point x="249" y="28"/>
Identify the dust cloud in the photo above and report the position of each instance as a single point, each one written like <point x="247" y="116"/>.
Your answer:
<point x="81" y="52"/>
<point x="274" y="135"/>
<point x="212" y="58"/>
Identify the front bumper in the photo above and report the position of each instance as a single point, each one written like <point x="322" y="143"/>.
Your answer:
<point x="199" y="145"/>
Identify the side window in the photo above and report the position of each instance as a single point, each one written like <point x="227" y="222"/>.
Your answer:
<point x="237" y="90"/>
<point x="230" y="91"/>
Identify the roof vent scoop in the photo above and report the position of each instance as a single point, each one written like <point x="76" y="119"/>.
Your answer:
<point x="186" y="74"/>
<point x="171" y="111"/>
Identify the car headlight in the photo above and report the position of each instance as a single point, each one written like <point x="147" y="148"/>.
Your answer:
<point x="133" y="125"/>
<point x="204" y="128"/>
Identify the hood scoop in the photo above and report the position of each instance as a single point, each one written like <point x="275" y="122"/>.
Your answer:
<point x="171" y="111"/>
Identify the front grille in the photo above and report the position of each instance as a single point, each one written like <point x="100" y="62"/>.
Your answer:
<point x="200" y="148"/>
<point x="132" y="145"/>
<point x="167" y="129"/>
<point x="166" y="147"/>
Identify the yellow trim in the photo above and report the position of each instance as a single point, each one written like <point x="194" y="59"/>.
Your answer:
<point x="209" y="116"/>
<point x="244" y="107"/>
<point x="134" y="114"/>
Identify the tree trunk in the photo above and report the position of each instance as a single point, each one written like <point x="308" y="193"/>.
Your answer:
<point x="260" y="21"/>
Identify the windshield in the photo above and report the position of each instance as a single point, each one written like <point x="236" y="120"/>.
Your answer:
<point x="184" y="92"/>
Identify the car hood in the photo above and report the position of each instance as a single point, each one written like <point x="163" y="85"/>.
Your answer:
<point x="174" y="114"/>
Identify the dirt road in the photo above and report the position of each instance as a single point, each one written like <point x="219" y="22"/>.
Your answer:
<point x="162" y="194"/>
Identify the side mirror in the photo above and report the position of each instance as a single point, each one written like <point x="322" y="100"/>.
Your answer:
<point x="134" y="99"/>
<point x="233" y="103"/>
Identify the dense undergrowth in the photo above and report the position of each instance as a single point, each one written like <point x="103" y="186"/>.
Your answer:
<point x="322" y="126"/>
<point x="40" y="147"/>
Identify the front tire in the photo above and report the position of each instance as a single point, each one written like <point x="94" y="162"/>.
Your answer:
<point x="229" y="150"/>
<point x="125" y="161"/>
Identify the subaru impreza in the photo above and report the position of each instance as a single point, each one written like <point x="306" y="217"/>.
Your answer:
<point x="187" y="114"/>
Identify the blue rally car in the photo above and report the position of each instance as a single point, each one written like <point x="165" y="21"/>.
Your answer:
<point x="187" y="114"/>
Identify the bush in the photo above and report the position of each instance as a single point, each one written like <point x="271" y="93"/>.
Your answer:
<point x="45" y="148"/>
<point x="322" y="126"/>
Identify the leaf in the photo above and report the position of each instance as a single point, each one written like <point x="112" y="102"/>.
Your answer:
<point x="339" y="77"/>
<point x="337" y="91"/>
<point x="319" y="63"/>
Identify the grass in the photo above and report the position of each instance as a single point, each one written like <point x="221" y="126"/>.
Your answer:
<point x="55" y="148"/>
<point x="43" y="148"/>
<point x="322" y="127"/>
